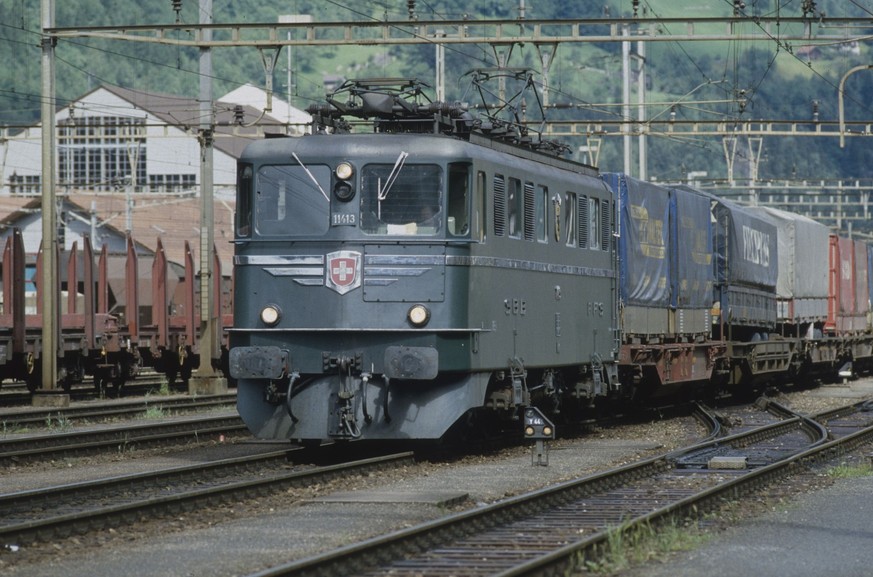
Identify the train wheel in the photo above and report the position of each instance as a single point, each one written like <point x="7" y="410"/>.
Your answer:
<point x="309" y="445"/>
<point x="33" y="381"/>
<point x="100" y="385"/>
<point x="117" y="384"/>
<point x="33" y="374"/>
<point x="185" y="375"/>
<point x="73" y="375"/>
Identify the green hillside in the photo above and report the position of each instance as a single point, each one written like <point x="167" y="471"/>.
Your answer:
<point x="695" y="80"/>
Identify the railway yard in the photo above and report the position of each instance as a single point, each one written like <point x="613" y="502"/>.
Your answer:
<point x="214" y="501"/>
<point x="416" y="335"/>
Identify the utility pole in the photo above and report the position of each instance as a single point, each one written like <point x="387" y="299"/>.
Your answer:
<point x="292" y="82"/>
<point x="840" y="92"/>
<point x="625" y="98"/>
<point x="440" y="63"/>
<point x="47" y="395"/>
<point x="641" y="110"/>
<point x="206" y="380"/>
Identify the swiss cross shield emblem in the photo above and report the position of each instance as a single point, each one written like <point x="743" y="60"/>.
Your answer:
<point x="343" y="271"/>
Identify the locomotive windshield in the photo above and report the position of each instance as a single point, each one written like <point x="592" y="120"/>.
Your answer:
<point x="291" y="200"/>
<point x="401" y="198"/>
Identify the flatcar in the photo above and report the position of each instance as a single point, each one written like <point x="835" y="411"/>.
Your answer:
<point x="438" y="274"/>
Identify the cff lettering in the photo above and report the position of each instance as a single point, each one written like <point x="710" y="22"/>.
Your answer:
<point x="756" y="246"/>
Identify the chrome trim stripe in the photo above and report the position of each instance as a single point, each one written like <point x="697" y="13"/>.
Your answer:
<point x="310" y="281"/>
<point x="394" y="271"/>
<point x="518" y="264"/>
<point x="402" y="259"/>
<point x="278" y="260"/>
<point x="394" y="260"/>
<point x="356" y="329"/>
<point x="295" y="271"/>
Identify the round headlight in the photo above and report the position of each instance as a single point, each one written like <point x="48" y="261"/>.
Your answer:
<point x="418" y="315"/>
<point x="344" y="171"/>
<point x="270" y="315"/>
<point x="343" y="191"/>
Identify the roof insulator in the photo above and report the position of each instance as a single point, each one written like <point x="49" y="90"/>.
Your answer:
<point x="177" y="8"/>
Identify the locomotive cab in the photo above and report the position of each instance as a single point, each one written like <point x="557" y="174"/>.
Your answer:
<point x="393" y="284"/>
<point x="345" y="293"/>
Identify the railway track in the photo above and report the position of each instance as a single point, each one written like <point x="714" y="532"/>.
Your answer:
<point x="16" y="394"/>
<point x="75" y="509"/>
<point x="557" y="529"/>
<point x="118" y="439"/>
<point x="12" y="420"/>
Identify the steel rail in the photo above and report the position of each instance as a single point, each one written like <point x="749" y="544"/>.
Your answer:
<point x="698" y="504"/>
<point x="140" y="406"/>
<point x="60" y="526"/>
<point x="116" y="438"/>
<point x="366" y="555"/>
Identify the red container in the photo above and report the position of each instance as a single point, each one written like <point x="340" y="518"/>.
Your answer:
<point x="848" y="298"/>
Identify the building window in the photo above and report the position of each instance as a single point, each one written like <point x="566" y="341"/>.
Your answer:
<point x="171" y="182"/>
<point x="28" y="184"/>
<point x="102" y="152"/>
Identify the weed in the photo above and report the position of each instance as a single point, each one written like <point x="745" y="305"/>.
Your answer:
<point x="154" y="413"/>
<point x="846" y="471"/>
<point x="60" y="423"/>
<point x="162" y="390"/>
<point x="13" y="429"/>
<point x="625" y="546"/>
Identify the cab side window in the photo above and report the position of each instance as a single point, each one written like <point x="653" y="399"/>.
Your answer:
<point x="570" y="219"/>
<point x="541" y="203"/>
<point x="458" y="219"/>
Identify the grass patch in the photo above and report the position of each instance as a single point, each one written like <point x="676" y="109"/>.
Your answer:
<point x="846" y="471"/>
<point x="154" y="413"/>
<point x="10" y="429"/>
<point x="625" y="547"/>
<point x="58" y="423"/>
<point x="163" y="390"/>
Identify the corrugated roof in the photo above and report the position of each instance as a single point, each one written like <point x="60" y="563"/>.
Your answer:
<point x="184" y="113"/>
<point x="174" y="219"/>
